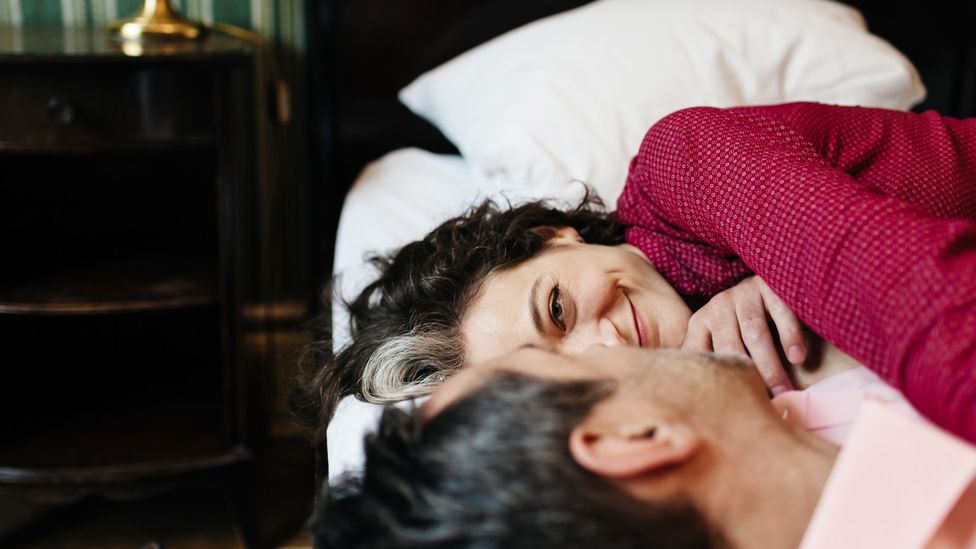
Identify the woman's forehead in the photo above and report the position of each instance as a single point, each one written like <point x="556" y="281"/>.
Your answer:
<point x="549" y="262"/>
<point x="501" y="288"/>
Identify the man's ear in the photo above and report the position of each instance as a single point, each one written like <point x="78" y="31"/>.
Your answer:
<point x="632" y="449"/>
<point x="556" y="236"/>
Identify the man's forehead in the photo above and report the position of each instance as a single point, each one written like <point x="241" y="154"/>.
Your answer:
<point x="450" y="391"/>
<point x="628" y="365"/>
<point x="531" y="362"/>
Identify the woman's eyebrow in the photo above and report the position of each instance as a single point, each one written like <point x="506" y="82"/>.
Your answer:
<point x="533" y="308"/>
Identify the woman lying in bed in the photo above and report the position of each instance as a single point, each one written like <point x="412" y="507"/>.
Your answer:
<point x="833" y="207"/>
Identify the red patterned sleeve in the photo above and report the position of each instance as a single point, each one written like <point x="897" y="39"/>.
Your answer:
<point x="860" y="219"/>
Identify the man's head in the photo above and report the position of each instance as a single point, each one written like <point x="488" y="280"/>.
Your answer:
<point x="493" y="470"/>
<point x="614" y="447"/>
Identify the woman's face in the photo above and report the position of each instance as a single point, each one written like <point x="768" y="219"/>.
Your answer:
<point x="573" y="295"/>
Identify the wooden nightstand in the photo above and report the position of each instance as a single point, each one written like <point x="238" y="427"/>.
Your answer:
<point x="129" y="259"/>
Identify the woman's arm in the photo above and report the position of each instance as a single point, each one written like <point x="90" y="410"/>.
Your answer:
<point x="716" y="194"/>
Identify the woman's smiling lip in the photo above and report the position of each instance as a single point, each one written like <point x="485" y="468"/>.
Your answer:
<point x="638" y="325"/>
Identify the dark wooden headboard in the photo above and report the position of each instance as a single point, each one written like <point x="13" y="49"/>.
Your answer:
<point x="936" y="35"/>
<point x="361" y="52"/>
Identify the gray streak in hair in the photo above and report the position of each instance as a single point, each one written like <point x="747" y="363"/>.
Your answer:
<point x="409" y="366"/>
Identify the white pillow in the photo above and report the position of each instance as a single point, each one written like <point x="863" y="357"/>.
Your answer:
<point x="571" y="96"/>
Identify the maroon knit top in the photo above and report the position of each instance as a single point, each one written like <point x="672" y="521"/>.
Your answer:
<point x="862" y="220"/>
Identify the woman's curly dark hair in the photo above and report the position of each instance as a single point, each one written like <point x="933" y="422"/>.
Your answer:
<point x="405" y="326"/>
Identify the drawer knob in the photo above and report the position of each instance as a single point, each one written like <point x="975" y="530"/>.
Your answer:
<point x="61" y="111"/>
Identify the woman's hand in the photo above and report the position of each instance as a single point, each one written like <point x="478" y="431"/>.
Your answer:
<point x="737" y="320"/>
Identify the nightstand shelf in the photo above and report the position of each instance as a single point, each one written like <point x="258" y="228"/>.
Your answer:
<point x="149" y="407"/>
<point x="130" y="255"/>
<point x="152" y="387"/>
<point x="165" y="147"/>
<point x="114" y="285"/>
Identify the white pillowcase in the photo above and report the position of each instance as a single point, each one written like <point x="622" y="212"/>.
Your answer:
<point x="571" y="96"/>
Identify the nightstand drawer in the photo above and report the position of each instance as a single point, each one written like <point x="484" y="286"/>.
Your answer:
<point x="104" y="106"/>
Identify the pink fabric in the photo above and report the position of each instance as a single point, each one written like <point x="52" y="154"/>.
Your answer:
<point x="860" y="219"/>
<point x="830" y="407"/>
<point x="898" y="483"/>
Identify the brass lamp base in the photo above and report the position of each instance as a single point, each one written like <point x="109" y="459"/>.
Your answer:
<point x="156" y="21"/>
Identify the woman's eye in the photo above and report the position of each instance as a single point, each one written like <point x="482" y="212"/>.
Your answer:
<point x="556" y="308"/>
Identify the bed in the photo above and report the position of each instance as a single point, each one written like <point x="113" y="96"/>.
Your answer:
<point x="424" y="108"/>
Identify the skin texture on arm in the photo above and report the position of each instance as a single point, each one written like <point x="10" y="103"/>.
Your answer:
<point x="859" y="219"/>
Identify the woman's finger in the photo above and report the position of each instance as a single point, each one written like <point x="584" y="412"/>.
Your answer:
<point x="725" y="334"/>
<point x="787" y="324"/>
<point x="698" y="337"/>
<point x="759" y="342"/>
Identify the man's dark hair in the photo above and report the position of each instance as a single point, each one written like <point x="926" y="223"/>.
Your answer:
<point x="494" y="470"/>
<point x="405" y="326"/>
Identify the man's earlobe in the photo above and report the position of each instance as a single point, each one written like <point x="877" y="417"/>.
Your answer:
<point x="555" y="236"/>
<point x="632" y="449"/>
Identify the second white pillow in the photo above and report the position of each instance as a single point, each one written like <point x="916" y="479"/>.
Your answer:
<point x="571" y="96"/>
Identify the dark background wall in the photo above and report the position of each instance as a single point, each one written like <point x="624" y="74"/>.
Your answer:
<point x="937" y="36"/>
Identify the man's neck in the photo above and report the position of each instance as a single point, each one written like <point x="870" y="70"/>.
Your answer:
<point x="777" y="475"/>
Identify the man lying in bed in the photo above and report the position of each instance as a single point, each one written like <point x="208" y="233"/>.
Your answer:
<point x="625" y="447"/>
